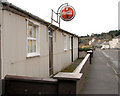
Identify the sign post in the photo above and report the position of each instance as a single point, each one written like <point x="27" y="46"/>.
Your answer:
<point x="67" y="13"/>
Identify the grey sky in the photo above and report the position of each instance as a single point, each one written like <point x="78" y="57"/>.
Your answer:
<point x="92" y="16"/>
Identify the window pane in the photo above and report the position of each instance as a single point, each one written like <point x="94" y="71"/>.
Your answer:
<point x="30" y="46"/>
<point x="34" y="31"/>
<point x="30" y="31"/>
<point x="34" y="45"/>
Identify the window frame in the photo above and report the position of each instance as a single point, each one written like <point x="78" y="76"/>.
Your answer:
<point x="37" y="39"/>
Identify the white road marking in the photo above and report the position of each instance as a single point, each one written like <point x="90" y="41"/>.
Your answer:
<point x="114" y="70"/>
<point x="108" y="65"/>
<point x="116" y="77"/>
<point x="106" y="54"/>
<point x="115" y="63"/>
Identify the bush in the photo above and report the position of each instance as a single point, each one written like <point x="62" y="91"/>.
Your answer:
<point x="85" y="49"/>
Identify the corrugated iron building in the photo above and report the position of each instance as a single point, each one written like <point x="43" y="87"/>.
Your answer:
<point x="30" y="46"/>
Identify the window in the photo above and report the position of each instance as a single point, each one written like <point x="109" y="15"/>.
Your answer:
<point x="65" y="42"/>
<point x="33" y="40"/>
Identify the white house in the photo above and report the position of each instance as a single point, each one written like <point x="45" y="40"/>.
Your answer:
<point x="105" y="45"/>
<point x="92" y="41"/>
<point x="115" y="42"/>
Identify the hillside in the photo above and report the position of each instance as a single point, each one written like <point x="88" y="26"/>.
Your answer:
<point x="99" y="38"/>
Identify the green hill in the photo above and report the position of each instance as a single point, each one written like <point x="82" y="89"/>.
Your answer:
<point x="84" y="40"/>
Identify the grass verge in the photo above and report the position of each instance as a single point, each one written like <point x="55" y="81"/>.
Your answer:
<point x="73" y="66"/>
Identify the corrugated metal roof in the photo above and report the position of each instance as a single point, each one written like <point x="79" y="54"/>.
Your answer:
<point x="10" y="7"/>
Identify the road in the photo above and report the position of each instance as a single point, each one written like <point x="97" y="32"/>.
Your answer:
<point x="102" y="78"/>
<point x="113" y="58"/>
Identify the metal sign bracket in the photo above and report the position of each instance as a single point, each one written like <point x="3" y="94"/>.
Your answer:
<point x="57" y="13"/>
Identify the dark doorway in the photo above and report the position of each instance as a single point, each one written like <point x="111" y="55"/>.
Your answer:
<point x="50" y="52"/>
<point x="72" y="48"/>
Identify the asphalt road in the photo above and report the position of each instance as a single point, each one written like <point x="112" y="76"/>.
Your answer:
<point x="102" y="78"/>
<point x="113" y="58"/>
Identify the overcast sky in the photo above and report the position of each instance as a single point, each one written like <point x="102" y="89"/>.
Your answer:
<point x="92" y="16"/>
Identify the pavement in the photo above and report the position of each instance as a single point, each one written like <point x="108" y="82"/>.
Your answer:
<point x="101" y="78"/>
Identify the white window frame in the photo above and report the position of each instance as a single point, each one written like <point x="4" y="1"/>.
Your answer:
<point x="37" y="53"/>
<point x="65" y="42"/>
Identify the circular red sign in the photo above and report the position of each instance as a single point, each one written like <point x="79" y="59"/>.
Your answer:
<point x="67" y="13"/>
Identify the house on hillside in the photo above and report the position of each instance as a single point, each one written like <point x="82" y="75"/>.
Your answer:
<point x="99" y="44"/>
<point x="92" y="41"/>
<point x="115" y="43"/>
<point x="32" y="47"/>
<point x="105" y="45"/>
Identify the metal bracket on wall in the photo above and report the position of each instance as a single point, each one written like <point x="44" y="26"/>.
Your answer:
<point x="52" y="18"/>
<point x="57" y="13"/>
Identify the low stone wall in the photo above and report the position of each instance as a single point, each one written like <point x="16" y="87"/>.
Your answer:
<point x="20" y="86"/>
<point x="71" y="83"/>
<point x="61" y="83"/>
